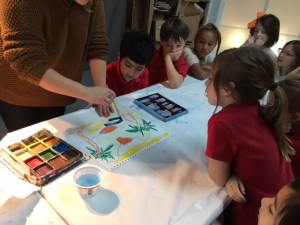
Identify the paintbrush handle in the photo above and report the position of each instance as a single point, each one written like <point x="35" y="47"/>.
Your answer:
<point x="116" y="107"/>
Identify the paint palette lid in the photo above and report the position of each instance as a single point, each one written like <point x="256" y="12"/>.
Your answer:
<point x="161" y="107"/>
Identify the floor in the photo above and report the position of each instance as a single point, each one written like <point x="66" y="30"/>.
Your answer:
<point x="79" y="104"/>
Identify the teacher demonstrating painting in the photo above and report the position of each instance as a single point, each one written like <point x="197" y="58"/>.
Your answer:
<point x="44" y="48"/>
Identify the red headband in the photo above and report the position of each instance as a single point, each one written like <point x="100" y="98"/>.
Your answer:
<point x="253" y="22"/>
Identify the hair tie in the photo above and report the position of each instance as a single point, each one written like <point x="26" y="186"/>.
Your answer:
<point x="273" y="87"/>
<point x="253" y="22"/>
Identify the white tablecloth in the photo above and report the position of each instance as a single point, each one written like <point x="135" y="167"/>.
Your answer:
<point x="166" y="185"/>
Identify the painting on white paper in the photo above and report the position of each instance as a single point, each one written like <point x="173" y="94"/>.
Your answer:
<point x="113" y="142"/>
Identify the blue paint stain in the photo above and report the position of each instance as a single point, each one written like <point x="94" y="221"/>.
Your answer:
<point x="115" y="119"/>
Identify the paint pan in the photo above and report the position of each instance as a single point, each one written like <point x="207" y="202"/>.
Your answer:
<point x="48" y="154"/>
<point x="38" y="147"/>
<point x="34" y="161"/>
<point x="57" y="162"/>
<point x="43" y="169"/>
<point x="61" y="147"/>
<point x="15" y="147"/>
<point x="52" y="141"/>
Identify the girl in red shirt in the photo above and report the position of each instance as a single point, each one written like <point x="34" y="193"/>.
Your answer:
<point x="244" y="138"/>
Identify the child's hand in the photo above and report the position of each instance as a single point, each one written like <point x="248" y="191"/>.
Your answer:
<point x="207" y="69"/>
<point x="250" y="41"/>
<point x="259" y="41"/>
<point x="235" y="189"/>
<point x="174" y="56"/>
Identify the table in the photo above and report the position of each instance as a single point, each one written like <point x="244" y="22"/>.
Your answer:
<point x="166" y="185"/>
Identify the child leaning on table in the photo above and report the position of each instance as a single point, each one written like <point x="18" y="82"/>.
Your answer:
<point x="129" y="73"/>
<point x="168" y="63"/>
<point x="244" y="138"/>
<point x="291" y="87"/>
<point x="206" y="39"/>
<point x="264" y="33"/>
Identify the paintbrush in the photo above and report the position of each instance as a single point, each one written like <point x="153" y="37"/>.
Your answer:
<point x="117" y="109"/>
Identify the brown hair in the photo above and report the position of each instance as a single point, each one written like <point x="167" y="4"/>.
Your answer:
<point x="291" y="86"/>
<point x="174" y="28"/>
<point x="271" y="24"/>
<point x="249" y="73"/>
<point x="289" y="213"/>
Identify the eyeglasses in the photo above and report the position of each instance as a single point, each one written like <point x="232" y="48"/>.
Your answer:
<point x="285" y="52"/>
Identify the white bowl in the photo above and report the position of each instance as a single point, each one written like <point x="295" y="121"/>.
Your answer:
<point x="87" y="180"/>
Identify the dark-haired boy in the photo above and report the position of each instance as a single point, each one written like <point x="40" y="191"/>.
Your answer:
<point x="129" y="73"/>
<point x="168" y="64"/>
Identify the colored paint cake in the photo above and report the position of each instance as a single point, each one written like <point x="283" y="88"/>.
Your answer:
<point x="42" y="157"/>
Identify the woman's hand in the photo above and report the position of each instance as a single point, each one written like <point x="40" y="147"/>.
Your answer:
<point x="101" y="98"/>
<point x="104" y="110"/>
<point x="98" y="95"/>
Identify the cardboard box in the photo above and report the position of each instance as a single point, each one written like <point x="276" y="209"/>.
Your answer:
<point x="193" y="23"/>
<point x="189" y="8"/>
<point x="189" y="12"/>
<point x="157" y="26"/>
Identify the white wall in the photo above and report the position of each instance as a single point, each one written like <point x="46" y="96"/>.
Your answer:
<point x="237" y="14"/>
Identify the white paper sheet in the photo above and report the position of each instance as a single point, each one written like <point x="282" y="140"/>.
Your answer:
<point x="10" y="185"/>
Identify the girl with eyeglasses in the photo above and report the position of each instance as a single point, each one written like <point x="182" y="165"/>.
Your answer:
<point x="288" y="60"/>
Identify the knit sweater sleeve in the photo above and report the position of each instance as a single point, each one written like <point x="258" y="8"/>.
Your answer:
<point x="23" y="42"/>
<point x="98" y="46"/>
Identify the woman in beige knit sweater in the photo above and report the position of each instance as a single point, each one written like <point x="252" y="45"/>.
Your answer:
<point x="44" y="47"/>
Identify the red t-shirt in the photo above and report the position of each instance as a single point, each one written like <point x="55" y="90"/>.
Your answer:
<point x="119" y="85"/>
<point x="295" y="139"/>
<point x="157" y="68"/>
<point x="238" y="135"/>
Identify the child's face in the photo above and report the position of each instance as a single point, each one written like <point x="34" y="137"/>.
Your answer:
<point x="271" y="206"/>
<point x="286" y="57"/>
<point x="260" y="33"/>
<point x="130" y="69"/>
<point x="224" y="96"/>
<point x="210" y="91"/>
<point x="205" y="43"/>
<point x="172" y="46"/>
